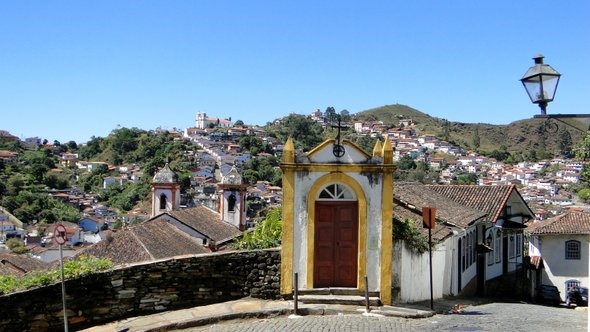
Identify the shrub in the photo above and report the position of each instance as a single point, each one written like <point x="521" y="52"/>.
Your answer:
<point x="407" y="231"/>
<point x="266" y="234"/>
<point x="76" y="268"/>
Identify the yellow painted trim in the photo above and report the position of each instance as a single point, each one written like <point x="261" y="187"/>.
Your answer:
<point x="386" y="239"/>
<point x="343" y="168"/>
<point x="321" y="183"/>
<point x="378" y="149"/>
<point x="332" y="141"/>
<point x="287" y="232"/>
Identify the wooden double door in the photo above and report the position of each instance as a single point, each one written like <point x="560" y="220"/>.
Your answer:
<point x="335" y="244"/>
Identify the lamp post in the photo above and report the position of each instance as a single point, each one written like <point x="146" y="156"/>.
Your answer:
<point x="540" y="82"/>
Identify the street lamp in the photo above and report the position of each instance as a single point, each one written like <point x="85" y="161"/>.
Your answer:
<point x="540" y="82"/>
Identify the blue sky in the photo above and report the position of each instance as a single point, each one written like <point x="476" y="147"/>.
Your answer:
<point x="70" y="70"/>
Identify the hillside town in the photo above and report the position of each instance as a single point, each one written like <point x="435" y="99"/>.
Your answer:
<point x="215" y="215"/>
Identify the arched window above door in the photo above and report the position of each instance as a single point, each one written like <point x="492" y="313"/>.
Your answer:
<point x="336" y="191"/>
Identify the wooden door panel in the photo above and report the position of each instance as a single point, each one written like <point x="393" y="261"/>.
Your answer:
<point x="346" y="245"/>
<point x="336" y="244"/>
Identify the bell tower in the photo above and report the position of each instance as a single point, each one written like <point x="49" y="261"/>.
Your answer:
<point x="165" y="191"/>
<point x="232" y="196"/>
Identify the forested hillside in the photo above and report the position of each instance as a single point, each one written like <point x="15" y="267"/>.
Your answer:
<point x="529" y="139"/>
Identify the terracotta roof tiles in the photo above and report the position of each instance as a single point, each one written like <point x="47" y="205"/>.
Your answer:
<point x="410" y="198"/>
<point x="147" y="241"/>
<point x="419" y="196"/>
<point x="572" y="222"/>
<point x="488" y="199"/>
<point x="206" y="222"/>
<point x="18" y="265"/>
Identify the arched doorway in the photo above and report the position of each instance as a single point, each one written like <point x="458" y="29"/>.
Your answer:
<point x="336" y="237"/>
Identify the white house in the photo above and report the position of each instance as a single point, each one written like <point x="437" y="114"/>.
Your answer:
<point x="559" y="248"/>
<point x="501" y="233"/>
<point x="454" y="254"/>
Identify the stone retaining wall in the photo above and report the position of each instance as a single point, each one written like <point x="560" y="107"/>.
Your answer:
<point x="142" y="289"/>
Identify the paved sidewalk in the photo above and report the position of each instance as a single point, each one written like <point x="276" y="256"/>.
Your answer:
<point x="252" y="308"/>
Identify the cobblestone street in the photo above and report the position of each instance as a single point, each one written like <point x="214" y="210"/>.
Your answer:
<point x="488" y="317"/>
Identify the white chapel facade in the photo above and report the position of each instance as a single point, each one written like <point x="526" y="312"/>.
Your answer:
<point x="337" y="217"/>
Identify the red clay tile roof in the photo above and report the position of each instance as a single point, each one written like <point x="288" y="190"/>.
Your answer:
<point x="206" y="222"/>
<point x="147" y="241"/>
<point x="18" y="265"/>
<point x="572" y="222"/>
<point x="410" y="198"/>
<point x="447" y="210"/>
<point x="488" y="199"/>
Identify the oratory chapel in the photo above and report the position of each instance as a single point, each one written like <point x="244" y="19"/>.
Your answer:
<point x="337" y="217"/>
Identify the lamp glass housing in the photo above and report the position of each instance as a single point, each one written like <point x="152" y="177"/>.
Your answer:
<point x="540" y="81"/>
<point x="541" y="87"/>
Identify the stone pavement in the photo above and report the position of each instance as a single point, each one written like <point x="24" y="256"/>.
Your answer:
<point x="257" y="308"/>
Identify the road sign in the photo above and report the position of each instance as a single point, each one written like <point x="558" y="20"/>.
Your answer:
<point x="428" y="217"/>
<point x="60" y="235"/>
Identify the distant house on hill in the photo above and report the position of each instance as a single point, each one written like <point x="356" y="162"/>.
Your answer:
<point x="90" y="224"/>
<point x="69" y="159"/>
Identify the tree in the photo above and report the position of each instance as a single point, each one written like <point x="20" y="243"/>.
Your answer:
<point x="345" y="115"/>
<point x="469" y="178"/>
<point x="252" y="144"/>
<point x="266" y="234"/>
<point x="406" y="163"/>
<point x="475" y="139"/>
<point x="583" y="147"/>
<point x="239" y="123"/>
<point x="16" y="245"/>
<point x="56" y="181"/>
<point x="564" y="141"/>
<point x="306" y="133"/>
<point x="585" y="175"/>
<point x="366" y="142"/>
<point x="330" y="114"/>
<point x="584" y="194"/>
<point x="72" y="146"/>
<point x="446" y="134"/>
<point x="262" y="169"/>
<point x="91" y="149"/>
<point x="15" y="184"/>
<point x="407" y="231"/>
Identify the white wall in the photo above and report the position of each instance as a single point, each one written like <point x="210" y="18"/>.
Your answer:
<point x="411" y="272"/>
<point x="557" y="269"/>
<point x="51" y="255"/>
<point x="373" y="241"/>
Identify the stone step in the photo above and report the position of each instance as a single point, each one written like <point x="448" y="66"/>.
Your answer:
<point x="336" y="291"/>
<point x="339" y="299"/>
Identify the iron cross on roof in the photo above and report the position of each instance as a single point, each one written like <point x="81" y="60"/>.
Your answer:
<point x="338" y="149"/>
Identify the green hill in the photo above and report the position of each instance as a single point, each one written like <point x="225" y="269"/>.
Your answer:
<point x="519" y="137"/>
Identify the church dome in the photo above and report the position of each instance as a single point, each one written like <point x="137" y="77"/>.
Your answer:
<point x="165" y="175"/>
